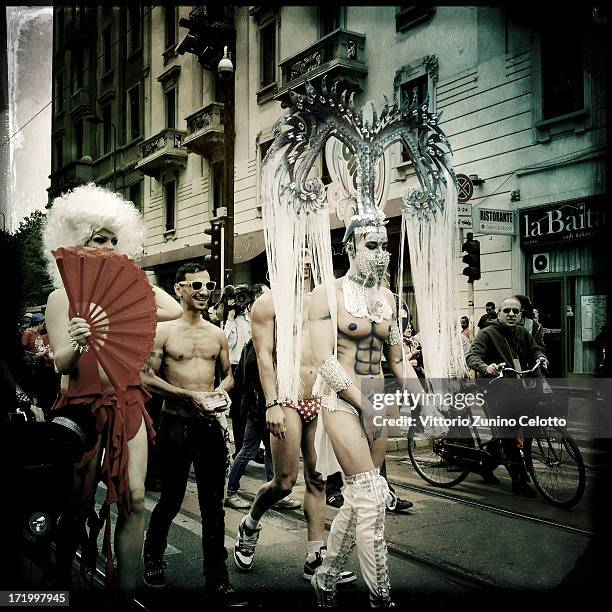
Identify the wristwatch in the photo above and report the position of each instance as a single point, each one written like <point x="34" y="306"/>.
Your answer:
<point x="272" y="403"/>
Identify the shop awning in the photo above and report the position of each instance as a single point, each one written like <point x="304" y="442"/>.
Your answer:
<point x="247" y="246"/>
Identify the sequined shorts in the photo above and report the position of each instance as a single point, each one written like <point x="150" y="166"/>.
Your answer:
<point x="308" y="409"/>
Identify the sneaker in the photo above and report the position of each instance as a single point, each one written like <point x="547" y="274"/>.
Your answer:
<point x="233" y="501"/>
<point x="287" y="504"/>
<point x="154" y="576"/>
<point x="310" y="567"/>
<point x="244" y="548"/>
<point x="401" y="505"/>
<point x="324" y="598"/>
<point x="336" y="501"/>
<point x="395" y="504"/>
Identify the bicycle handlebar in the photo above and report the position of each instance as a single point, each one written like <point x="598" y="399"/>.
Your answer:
<point x="504" y="368"/>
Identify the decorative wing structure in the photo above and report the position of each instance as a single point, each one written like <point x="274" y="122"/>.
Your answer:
<point x="315" y="116"/>
<point x="114" y="296"/>
<point x="295" y="209"/>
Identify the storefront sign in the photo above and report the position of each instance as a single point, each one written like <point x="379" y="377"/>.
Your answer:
<point x="494" y="221"/>
<point x="594" y="315"/>
<point x="563" y="222"/>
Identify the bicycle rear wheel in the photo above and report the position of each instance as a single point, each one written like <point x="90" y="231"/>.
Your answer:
<point x="556" y="467"/>
<point x="427" y="458"/>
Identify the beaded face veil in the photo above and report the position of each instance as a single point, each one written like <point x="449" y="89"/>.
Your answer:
<point x="296" y="207"/>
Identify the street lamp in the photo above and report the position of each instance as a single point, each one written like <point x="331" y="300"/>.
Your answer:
<point x="225" y="69"/>
<point x="95" y="120"/>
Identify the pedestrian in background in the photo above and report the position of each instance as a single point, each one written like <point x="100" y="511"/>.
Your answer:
<point x="489" y="316"/>
<point x="253" y="408"/>
<point x="237" y="329"/>
<point x="528" y="321"/>
<point x="33" y="334"/>
<point x="465" y="328"/>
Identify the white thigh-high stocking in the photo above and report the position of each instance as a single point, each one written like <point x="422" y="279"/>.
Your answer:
<point x="362" y="520"/>
<point x="369" y="492"/>
<point x="340" y="543"/>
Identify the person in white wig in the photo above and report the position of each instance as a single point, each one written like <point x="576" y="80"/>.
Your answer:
<point x="94" y="217"/>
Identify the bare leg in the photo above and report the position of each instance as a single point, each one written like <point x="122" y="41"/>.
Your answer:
<point x="72" y="523"/>
<point x="314" y="496"/>
<point x="378" y="449"/>
<point x="348" y="441"/>
<point x="286" y="460"/>
<point x="130" y="529"/>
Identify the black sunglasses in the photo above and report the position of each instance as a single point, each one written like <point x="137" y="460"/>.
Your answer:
<point x="509" y="310"/>
<point x="197" y="285"/>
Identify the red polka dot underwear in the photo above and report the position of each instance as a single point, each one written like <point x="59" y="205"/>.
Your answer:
<point x="308" y="409"/>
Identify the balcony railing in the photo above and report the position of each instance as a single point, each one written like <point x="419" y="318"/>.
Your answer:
<point x="205" y="130"/>
<point x="79" y="101"/>
<point x="161" y="151"/>
<point x="339" y="54"/>
<point x="70" y="176"/>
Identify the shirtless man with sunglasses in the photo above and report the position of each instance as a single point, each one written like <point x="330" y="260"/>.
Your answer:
<point x="181" y="369"/>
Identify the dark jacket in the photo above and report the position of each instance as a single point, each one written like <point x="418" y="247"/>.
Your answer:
<point x="247" y="387"/>
<point x="538" y="335"/>
<point x="486" y="320"/>
<point x="496" y="343"/>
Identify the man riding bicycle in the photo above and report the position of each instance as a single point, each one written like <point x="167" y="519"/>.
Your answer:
<point x="505" y="342"/>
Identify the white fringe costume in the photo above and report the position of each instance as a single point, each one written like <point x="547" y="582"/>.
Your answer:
<point x="295" y="215"/>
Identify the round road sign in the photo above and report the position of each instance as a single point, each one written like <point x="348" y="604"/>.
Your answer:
<point x="465" y="188"/>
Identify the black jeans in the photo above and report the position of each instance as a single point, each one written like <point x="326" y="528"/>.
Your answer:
<point x="203" y="443"/>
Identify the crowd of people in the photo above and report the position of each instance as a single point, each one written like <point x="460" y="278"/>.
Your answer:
<point x="223" y="355"/>
<point x="289" y="364"/>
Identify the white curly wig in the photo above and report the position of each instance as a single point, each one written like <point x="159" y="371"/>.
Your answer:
<point x="77" y="214"/>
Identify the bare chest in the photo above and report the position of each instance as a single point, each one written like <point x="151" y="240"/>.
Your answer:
<point x="195" y="345"/>
<point x="361" y="329"/>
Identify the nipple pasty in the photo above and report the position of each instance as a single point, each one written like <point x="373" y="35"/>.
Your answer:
<point x="113" y="295"/>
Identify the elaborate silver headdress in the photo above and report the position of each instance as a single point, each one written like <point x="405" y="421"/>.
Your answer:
<point x="315" y="116"/>
<point x="295" y="205"/>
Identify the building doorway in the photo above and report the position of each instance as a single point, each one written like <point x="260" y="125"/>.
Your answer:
<point x="548" y="297"/>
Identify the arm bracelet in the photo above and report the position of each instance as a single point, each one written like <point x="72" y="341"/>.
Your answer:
<point x="272" y="403"/>
<point x="394" y="336"/>
<point x="79" y="348"/>
<point x="335" y="375"/>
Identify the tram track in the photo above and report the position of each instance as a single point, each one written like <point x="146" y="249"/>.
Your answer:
<point x="491" y="508"/>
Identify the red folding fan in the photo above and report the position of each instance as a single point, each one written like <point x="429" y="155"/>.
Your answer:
<point x="113" y="295"/>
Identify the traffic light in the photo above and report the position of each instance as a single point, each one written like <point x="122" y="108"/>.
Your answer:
<point x="213" y="260"/>
<point x="199" y="39"/>
<point x="472" y="259"/>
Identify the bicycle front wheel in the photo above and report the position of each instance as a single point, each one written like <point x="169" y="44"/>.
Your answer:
<point x="427" y="457"/>
<point x="556" y="467"/>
